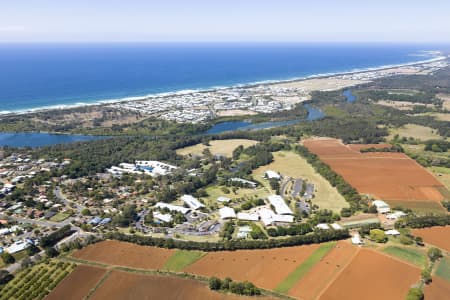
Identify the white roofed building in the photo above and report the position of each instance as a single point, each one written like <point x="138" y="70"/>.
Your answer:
<point x="272" y="175"/>
<point x="382" y="207"/>
<point x="280" y="206"/>
<point x="192" y="202"/>
<point x="392" y="232"/>
<point x="323" y="226"/>
<point x="227" y="213"/>
<point x="18" y="246"/>
<point x="247" y="216"/>
<point x="223" y="199"/>
<point x="269" y="217"/>
<point x="395" y="215"/>
<point x="167" y="218"/>
<point x="171" y="207"/>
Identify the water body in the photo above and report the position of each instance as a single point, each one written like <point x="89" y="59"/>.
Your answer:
<point x="36" y="76"/>
<point x="41" y="139"/>
<point x="313" y="114"/>
<point x="350" y="98"/>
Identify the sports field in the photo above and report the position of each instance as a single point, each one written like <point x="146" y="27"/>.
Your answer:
<point x="217" y="147"/>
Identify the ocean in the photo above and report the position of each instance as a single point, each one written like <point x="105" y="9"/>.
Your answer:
<point x="35" y="76"/>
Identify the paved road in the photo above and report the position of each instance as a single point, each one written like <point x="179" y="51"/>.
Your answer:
<point x="59" y="195"/>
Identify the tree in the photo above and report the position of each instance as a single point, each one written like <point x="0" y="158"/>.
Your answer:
<point x="86" y="212"/>
<point x="426" y="276"/>
<point x="51" y="252"/>
<point x="215" y="283"/>
<point x="378" y="236"/>
<point x="415" y="294"/>
<point x="8" y="258"/>
<point x="5" y="277"/>
<point x="434" y="254"/>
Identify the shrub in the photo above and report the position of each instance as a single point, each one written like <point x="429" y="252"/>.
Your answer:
<point x="215" y="283"/>
<point x="434" y="254"/>
<point x="378" y="236"/>
<point x="415" y="294"/>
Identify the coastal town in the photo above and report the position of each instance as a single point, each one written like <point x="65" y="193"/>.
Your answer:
<point x="201" y="106"/>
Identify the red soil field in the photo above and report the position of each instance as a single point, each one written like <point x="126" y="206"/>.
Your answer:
<point x="123" y="285"/>
<point x="265" y="268"/>
<point x="78" y="284"/>
<point x="438" y="289"/>
<point x="310" y="286"/>
<point x="372" y="275"/>
<point x="438" y="236"/>
<point x="388" y="176"/>
<point x="125" y="254"/>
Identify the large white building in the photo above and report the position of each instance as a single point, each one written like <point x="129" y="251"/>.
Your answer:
<point x="167" y="218"/>
<point x="269" y="174"/>
<point x="280" y="206"/>
<point x="227" y="213"/>
<point x="171" y="207"/>
<point x="155" y="167"/>
<point x="269" y="217"/>
<point x="382" y="207"/>
<point x="247" y="216"/>
<point x="192" y="202"/>
<point x="18" y="246"/>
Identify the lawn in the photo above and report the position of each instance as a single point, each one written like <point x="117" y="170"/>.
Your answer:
<point x="293" y="165"/>
<point x="222" y="147"/>
<point x="61" y="216"/>
<point x="181" y="259"/>
<point x="443" y="269"/>
<point x="416" y="131"/>
<point x="304" y="267"/>
<point x="413" y="256"/>
<point x="215" y="191"/>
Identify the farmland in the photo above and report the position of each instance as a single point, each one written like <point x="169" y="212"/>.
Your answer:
<point x="125" y="285"/>
<point x="83" y="277"/>
<point x="304" y="267"/>
<point x="37" y="282"/>
<point x="410" y="255"/>
<point x="324" y="271"/>
<point x="219" y="147"/>
<point x="125" y="254"/>
<point x="181" y="259"/>
<point x="443" y="269"/>
<point x="438" y="289"/>
<point x="295" y="166"/>
<point x="265" y="268"/>
<point x="371" y="275"/>
<point x="437" y="236"/>
<point x="417" y="132"/>
<point x="389" y="176"/>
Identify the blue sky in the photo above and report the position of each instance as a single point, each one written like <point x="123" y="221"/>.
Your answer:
<point x="226" y="20"/>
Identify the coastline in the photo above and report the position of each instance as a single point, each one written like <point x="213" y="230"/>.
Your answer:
<point x="103" y="102"/>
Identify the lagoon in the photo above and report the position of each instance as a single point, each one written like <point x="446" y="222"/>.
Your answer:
<point x="35" y="139"/>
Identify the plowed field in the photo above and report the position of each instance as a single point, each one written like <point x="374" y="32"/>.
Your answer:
<point x="310" y="286"/>
<point x="388" y="176"/>
<point x="125" y="254"/>
<point x="375" y="276"/>
<point x="265" y="268"/>
<point x="437" y="235"/>
<point x="78" y="284"/>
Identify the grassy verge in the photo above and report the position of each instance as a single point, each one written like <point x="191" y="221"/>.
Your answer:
<point x="410" y="255"/>
<point x="59" y="217"/>
<point x="304" y="268"/>
<point x="443" y="269"/>
<point x="181" y="259"/>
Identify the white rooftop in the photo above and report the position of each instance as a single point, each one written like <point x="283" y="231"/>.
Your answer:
<point x="272" y="174"/>
<point x="280" y="206"/>
<point x="323" y="226"/>
<point x="223" y="199"/>
<point x="192" y="202"/>
<point x="167" y="218"/>
<point x="336" y="226"/>
<point x="247" y="216"/>
<point x="171" y="207"/>
<point x="392" y="232"/>
<point x="227" y="213"/>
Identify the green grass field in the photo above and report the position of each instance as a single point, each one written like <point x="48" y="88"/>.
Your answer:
<point x="304" y="267"/>
<point x="421" y="207"/>
<point x="293" y="165"/>
<point x="408" y="254"/>
<point x="59" y="217"/>
<point x="443" y="269"/>
<point x="181" y="259"/>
